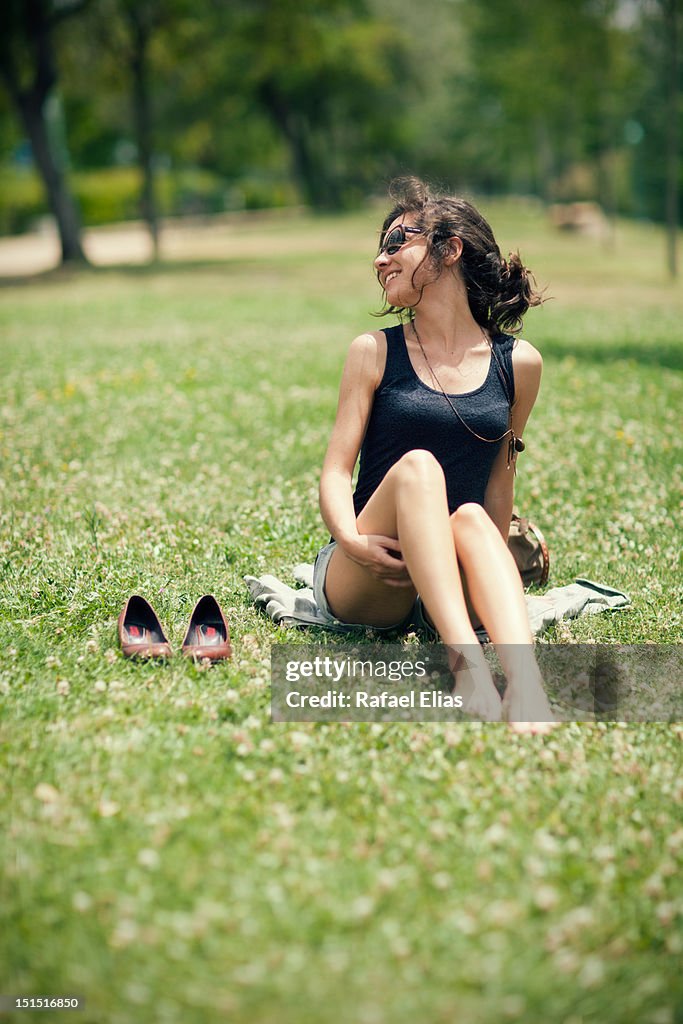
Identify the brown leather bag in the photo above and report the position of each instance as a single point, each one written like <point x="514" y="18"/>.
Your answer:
<point x="529" y="550"/>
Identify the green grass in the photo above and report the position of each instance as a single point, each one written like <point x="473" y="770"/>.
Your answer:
<point x="170" y="854"/>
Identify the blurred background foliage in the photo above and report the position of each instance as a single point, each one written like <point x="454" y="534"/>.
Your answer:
<point x="171" y="107"/>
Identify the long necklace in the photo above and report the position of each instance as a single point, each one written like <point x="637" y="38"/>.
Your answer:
<point x="515" y="444"/>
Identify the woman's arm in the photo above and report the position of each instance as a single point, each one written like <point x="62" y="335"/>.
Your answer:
<point x="356" y="395"/>
<point x="528" y="366"/>
<point x="362" y="374"/>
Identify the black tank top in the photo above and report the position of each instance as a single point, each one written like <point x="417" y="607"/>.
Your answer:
<point x="407" y="414"/>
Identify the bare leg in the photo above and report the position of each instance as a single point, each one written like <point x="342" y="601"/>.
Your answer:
<point x="484" y="556"/>
<point x="410" y="504"/>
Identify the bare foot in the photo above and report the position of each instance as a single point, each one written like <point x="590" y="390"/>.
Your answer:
<point x="474" y="684"/>
<point x="527" y="709"/>
<point x="532" y="728"/>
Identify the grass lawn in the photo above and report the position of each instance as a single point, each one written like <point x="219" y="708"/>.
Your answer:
<point x="171" y="855"/>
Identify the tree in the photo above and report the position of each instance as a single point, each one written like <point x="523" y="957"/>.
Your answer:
<point x="29" y="69"/>
<point x="673" y="134"/>
<point x="175" y="96"/>
<point x="141" y="20"/>
<point x="542" y="95"/>
<point x="657" y="120"/>
<point x="123" y="32"/>
<point x="325" y="71"/>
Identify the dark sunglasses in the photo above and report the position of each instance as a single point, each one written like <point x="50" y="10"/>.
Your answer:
<point x="397" y="238"/>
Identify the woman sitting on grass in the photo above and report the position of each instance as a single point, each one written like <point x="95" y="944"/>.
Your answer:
<point x="435" y="406"/>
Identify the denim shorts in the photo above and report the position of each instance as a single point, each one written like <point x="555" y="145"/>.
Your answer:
<point x="322" y="561"/>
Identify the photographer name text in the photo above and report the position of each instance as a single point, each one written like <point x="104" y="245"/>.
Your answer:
<point x="363" y="699"/>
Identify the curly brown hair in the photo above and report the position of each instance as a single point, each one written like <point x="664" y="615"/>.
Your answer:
<point x="499" y="290"/>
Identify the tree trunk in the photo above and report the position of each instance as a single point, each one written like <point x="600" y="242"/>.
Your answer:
<point x="143" y="131"/>
<point x="27" y="29"/>
<point x="544" y="159"/>
<point x="311" y="177"/>
<point x="58" y="194"/>
<point x="672" y="140"/>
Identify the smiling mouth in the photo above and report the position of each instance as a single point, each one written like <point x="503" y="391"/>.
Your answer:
<point x="391" y="276"/>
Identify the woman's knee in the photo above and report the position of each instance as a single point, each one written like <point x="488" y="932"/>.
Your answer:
<point x="419" y="467"/>
<point x="471" y="521"/>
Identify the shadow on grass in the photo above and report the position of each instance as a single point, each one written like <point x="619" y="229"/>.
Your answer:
<point x="61" y="274"/>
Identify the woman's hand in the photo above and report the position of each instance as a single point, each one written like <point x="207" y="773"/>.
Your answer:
<point x="381" y="556"/>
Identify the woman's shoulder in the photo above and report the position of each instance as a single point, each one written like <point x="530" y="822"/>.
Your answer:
<point x="367" y="355"/>
<point x="525" y="356"/>
<point x="527" y="366"/>
<point x="368" y="342"/>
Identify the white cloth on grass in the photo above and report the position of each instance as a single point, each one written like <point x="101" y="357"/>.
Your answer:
<point x="290" y="606"/>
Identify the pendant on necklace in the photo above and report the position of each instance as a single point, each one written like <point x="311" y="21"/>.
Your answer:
<point x="515" y="445"/>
